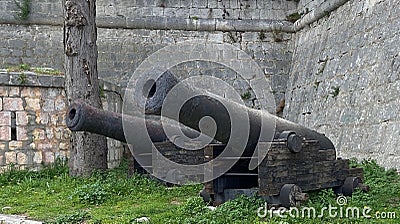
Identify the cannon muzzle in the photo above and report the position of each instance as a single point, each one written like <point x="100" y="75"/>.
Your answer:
<point x="83" y="117"/>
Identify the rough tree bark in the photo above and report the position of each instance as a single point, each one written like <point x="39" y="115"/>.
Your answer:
<point x="88" y="151"/>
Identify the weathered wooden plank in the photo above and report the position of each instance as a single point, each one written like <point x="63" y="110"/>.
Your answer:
<point x="310" y="169"/>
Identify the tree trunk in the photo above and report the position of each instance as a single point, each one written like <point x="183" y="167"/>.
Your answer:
<point x="88" y="152"/>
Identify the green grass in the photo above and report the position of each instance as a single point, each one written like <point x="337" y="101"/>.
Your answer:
<point x="246" y="95"/>
<point x="37" y="70"/>
<point x="113" y="197"/>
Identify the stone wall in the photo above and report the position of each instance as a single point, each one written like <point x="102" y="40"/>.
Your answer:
<point x="35" y="45"/>
<point x="51" y="11"/>
<point x="32" y="124"/>
<point x="130" y="47"/>
<point x="338" y="64"/>
<point x="130" y="31"/>
<point x="309" y="4"/>
<point x="344" y="79"/>
<point x="44" y="35"/>
<point x="112" y="99"/>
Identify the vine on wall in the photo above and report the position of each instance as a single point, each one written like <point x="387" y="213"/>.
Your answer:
<point x="24" y="9"/>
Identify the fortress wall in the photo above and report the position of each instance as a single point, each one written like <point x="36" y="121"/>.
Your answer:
<point x="339" y="69"/>
<point x="309" y="4"/>
<point x="344" y="79"/>
<point x="32" y="120"/>
<point x="130" y="31"/>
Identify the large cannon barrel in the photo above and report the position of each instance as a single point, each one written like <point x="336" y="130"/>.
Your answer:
<point x="200" y="104"/>
<point x="83" y="117"/>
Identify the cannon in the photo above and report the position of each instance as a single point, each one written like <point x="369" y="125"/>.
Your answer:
<point x="81" y="116"/>
<point x="289" y="158"/>
<point x="280" y="157"/>
<point x="200" y="103"/>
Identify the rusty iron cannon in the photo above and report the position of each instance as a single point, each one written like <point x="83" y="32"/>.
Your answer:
<point x="83" y="117"/>
<point x="293" y="158"/>
<point x="199" y="104"/>
<point x="289" y="157"/>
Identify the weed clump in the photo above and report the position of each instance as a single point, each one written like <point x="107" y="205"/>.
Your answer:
<point x="92" y="194"/>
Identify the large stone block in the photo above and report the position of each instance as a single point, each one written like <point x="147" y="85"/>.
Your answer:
<point x="3" y="145"/>
<point x="49" y="133"/>
<point x="37" y="157"/>
<point x="56" y="119"/>
<point x="22" y="134"/>
<point x="49" y="157"/>
<point x="32" y="104"/>
<point x="27" y="92"/>
<point x="59" y="104"/>
<point x="22" y="158"/>
<point x="5" y="118"/>
<point x="16" y="43"/>
<point x="42" y="118"/>
<point x="4" y="79"/>
<point x="14" y="91"/>
<point x="48" y="105"/>
<point x="13" y="104"/>
<point x="13" y="60"/>
<point x="5" y="133"/>
<point x="11" y="157"/>
<point x="14" y="145"/>
<point x="22" y="118"/>
<point x="39" y="134"/>
<point x="64" y="146"/>
<point x="199" y="4"/>
<point x="45" y="146"/>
